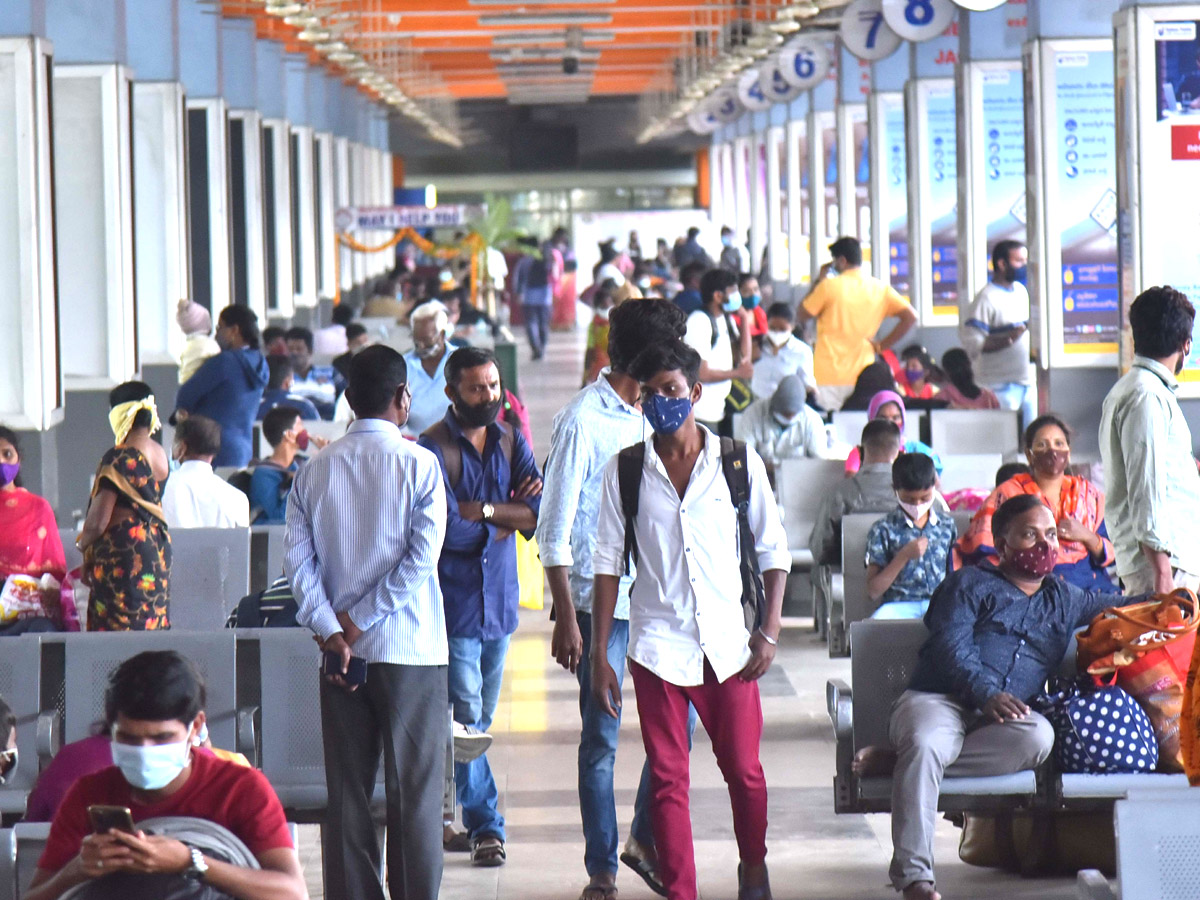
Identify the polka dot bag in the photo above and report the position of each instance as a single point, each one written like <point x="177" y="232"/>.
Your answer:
<point x="1102" y="732"/>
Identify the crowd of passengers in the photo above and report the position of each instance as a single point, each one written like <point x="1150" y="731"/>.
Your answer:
<point x="401" y="551"/>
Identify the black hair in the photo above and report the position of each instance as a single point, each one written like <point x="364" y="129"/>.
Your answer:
<point x="245" y="320"/>
<point x="375" y="375"/>
<point x="8" y="721"/>
<point x="343" y="314"/>
<point x="1009" y="510"/>
<point x="725" y="229"/>
<point x="1011" y="470"/>
<point x="277" y="421"/>
<point x="155" y="686"/>
<point x="957" y="366"/>
<point x="693" y="270"/>
<point x="272" y="333"/>
<point x="916" y="351"/>
<point x="280" y="368"/>
<point x="1041" y="422"/>
<point x="201" y="435"/>
<point x="355" y="330"/>
<point x="693" y="232"/>
<point x="913" y="472"/>
<point x="300" y="333"/>
<point x="746" y="276"/>
<point x="882" y="437"/>
<point x="1002" y="251"/>
<point x="608" y="251"/>
<point x="7" y="434"/>
<point x="129" y="392"/>
<point x="716" y="280"/>
<point x="1161" y="320"/>
<point x="847" y="248"/>
<point x="667" y="356"/>
<point x="871" y="380"/>
<point x="467" y="358"/>
<point x="637" y="324"/>
<point x="780" y="311"/>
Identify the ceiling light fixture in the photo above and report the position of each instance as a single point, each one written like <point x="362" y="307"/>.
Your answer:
<point x="552" y="38"/>
<point x="537" y="19"/>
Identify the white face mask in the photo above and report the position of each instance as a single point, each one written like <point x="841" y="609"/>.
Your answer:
<point x="916" y="511"/>
<point x="785" y="421"/>
<point x="604" y="313"/>
<point x="154" y="767"/>
<point x="779" y="338"/>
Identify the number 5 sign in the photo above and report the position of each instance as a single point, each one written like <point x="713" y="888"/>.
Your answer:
<point x="865" y="33"/>
<point x="918" y="20"/>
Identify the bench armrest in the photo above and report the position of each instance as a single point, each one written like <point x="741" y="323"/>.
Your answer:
<point x="49" y="735"/>
<point x="1090" y="884"/>
<point x="839" y="701"/>
<point x="247" y="738"/>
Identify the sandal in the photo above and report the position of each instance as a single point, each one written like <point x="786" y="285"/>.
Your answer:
<point x="456" y="841"/>
<point x="598" y="892"/>
<point x="488" y="852"/>
<point x="635" y="856"/>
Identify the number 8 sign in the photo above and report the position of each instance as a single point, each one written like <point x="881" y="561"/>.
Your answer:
<point x="918" y="20"/>
<point x="865" y="33"/>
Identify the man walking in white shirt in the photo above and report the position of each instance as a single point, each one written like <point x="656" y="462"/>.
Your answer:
<point x="195" y="496"/>
<point x="688" y="640"/>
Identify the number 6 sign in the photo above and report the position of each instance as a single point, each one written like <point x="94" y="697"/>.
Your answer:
<point x="918" y="20"/>
<point x="804" y="62"/>
<point x="865" y="33"/>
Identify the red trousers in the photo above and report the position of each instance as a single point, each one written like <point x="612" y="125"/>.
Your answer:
<point x="732" y="715"/>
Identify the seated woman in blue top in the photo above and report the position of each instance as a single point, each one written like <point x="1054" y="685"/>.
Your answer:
<point x="271" y="481"/>
<point x="229" y="386"/>
<point x="890" y="405"/>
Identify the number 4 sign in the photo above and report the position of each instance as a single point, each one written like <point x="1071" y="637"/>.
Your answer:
<point x="865" y="33"/>
<point x="918" y="20"/>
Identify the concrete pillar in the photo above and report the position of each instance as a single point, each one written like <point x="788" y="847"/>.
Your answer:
<point x="239" y="47"/>
<point x="889" y="171"/>
<point x="822" y="154"/>
<point x="799" y="193"/>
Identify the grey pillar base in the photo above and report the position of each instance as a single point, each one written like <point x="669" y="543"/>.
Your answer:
<point x="39" y="463"/>
<point x="83" y="438"/>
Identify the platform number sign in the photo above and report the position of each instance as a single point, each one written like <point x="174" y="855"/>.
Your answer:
<point x="750" y="92"/>
<point x="865" y="33"/>
<point x="724" y="105"/>
<point x="980" y="5"/>
<point x="918" y="20"/>
<point x="805" y="62"/>
<point x="773" y="84"/>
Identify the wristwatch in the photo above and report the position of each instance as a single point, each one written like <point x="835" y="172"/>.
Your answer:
<point x="199" y="868"/>
<point x="488" y="512"/>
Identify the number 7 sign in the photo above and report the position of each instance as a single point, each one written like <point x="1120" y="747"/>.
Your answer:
<point x="865" y="33"/>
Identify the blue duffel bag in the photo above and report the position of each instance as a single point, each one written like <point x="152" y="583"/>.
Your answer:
<point x="1103" y="731"/>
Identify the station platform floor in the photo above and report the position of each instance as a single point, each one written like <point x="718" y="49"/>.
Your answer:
<point x="812" y="853"/>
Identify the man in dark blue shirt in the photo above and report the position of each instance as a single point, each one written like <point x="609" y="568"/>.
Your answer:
<point x="995" y="635"/>
<point x="493" y="488"/>
<point x="688" y="299"/>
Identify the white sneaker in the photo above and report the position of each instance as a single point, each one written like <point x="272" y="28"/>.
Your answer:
<point x="470" y="743"/>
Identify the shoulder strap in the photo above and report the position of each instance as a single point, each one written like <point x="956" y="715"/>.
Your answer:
<point x="629" y="480"/>
<point x="508" y="440"/>
<point x="440" y="435"/>
<point x="712" y="320"/>
<point x="737" y="476"/>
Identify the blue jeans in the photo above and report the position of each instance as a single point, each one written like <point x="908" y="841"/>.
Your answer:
<point x="1018" y="396"/>
<point x="902" y="609"/>
<point x="476" y="670"/>
<point x="537" y="323"/>
<point x="597" y="755"/>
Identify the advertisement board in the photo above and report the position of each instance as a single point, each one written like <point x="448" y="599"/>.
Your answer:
<point x="799" y="220"/>
<point x="889" y="189"/>
<point x="933" y="199"/>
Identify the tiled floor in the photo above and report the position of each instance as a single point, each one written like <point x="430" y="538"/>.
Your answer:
<point x="813" y="853"/>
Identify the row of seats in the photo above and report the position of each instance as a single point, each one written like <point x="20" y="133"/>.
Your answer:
<point x="948" y="431"/>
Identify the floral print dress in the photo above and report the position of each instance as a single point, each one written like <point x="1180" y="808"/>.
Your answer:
<point x="130" y="563"/>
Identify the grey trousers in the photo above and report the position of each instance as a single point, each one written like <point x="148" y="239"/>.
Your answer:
<point x="934" y="736"/>
<point x="400" y="713"/>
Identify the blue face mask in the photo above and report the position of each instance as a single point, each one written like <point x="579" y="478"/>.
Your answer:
<point x="733" y="302"/>
<point x="666" y="414"/>
<point x="150" y="768"/>
<point x="727" y="240"/>
<point x="1021" y="274"/>
<point x="752" y="301"/>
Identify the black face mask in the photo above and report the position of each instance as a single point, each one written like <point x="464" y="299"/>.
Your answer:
<point x="477" y="415"/>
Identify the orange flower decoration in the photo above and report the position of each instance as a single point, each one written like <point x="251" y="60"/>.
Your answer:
<point x="138" y="532"/>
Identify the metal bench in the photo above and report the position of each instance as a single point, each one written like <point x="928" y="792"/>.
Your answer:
<point x="961" y="471"/>
<point x="1158" y="850"/>
<point x="29" y="840"/>
<point x="21" y="687"/>
<point x="849" y="600"/>
<point x="266" y="555"/>
<point x="975" y="431"/>
<point x="848" y="425"/>
<point x="210" y="573"/>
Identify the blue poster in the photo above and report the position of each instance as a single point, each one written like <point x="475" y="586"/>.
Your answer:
<point x="896" y="196"/>
<point x="1004" y="155"/>
<point x="862" y="179"/>
<point x="942" y="213"/>
<point x="1087" y="175"/>
<point x="830" y="143"/>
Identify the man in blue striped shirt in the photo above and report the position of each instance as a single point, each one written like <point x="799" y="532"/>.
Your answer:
<point x="493" y="488"/>
<point x="365" y="525"/>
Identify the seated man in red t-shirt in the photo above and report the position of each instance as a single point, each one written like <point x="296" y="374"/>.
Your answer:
<point x="153" y="708"/>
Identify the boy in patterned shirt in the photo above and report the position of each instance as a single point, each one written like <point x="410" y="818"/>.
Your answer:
<point x="908" y="548"/>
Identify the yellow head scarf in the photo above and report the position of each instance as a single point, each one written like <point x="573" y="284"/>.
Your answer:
<point x="121" y="417"/>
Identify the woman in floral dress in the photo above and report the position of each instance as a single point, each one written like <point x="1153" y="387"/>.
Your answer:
<point x="125" y="544"/>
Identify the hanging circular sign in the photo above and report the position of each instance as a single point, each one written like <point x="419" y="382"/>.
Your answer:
<point x="724" y="105"/>
<point x="701" y="121"/>
<point x="864" y="31"/>
<point x="774" y="86"/>
<point x="918" y="20"/>
<point x="805" y="62"/>
<point x="750" y="92"/>
<point x="980" y="5"/>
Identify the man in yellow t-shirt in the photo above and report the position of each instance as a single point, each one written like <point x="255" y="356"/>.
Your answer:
<point x="849" y="310"/>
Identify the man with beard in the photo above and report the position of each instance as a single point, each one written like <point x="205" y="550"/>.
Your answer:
<point x="1151" y="485"/>
<point x="493" y="488"/>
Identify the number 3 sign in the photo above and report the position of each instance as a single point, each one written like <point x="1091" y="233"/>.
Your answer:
<point x="865" y="33"/>
<point x="918" y="20"/>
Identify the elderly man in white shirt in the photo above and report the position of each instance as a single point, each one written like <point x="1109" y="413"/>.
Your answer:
<point x="195" y="496"/>
<point x="783" y="425"/>
<point x="688" y="639"/>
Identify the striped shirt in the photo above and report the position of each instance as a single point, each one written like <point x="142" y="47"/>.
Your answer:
<point x="365" y="524"/>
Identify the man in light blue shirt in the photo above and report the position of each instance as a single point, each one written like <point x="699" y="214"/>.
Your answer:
<point x="365" y="524"/>
<point x="599" y="421"/>
<point x="427" y="367"/>
<point x="1152" y="489"/>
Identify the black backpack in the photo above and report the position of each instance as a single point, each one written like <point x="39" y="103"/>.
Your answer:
<point x="539" y="272"/>
<point x="737" y="477"/>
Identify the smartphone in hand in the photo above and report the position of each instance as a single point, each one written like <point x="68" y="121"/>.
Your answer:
<point x="356" y="671"/>
<point x="104" y="818"/>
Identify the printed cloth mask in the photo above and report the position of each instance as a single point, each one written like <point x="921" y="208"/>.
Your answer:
<point x="151" y="768"/>
<point x="9" y="472"/>
<point x="1052" y="461"/>
<point x="666" y="414"/>
<point x="733" y="301"/>
<point x="1037" y="561"/>
<point x="478" y="415"/>
<point x="916" y="511"/>
<point x="302" y="439"/>
<point x="778" y="338"/>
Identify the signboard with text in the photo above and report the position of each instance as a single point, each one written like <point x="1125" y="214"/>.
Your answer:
<point x="889" y="189"/>
<point x="393" y="218"/>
